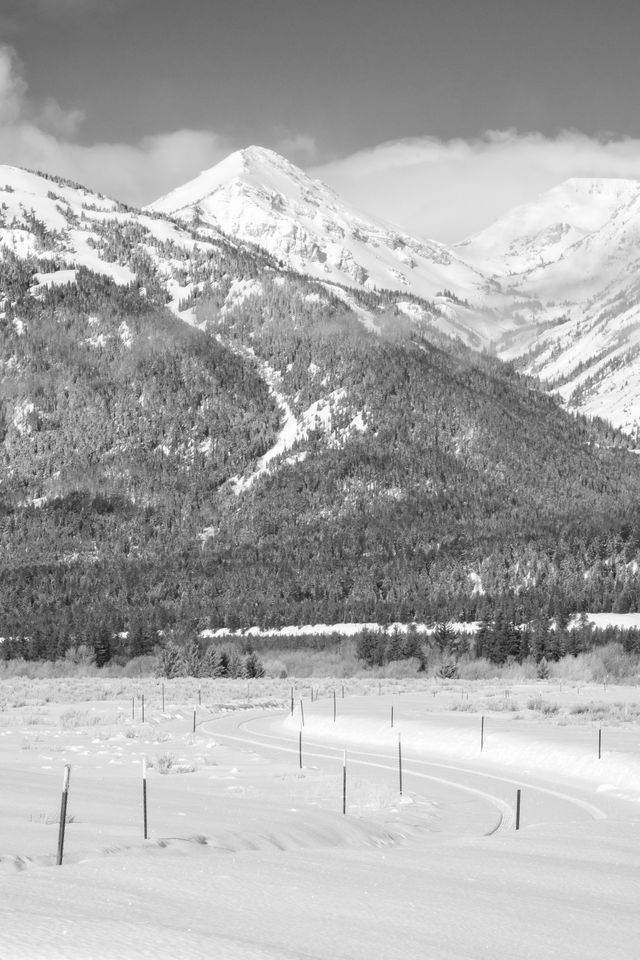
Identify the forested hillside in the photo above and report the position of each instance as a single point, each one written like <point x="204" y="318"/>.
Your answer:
<point x="417" y="480"/>
<point x="441" y="485"/>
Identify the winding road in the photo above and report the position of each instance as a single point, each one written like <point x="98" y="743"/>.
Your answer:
<point x="473" y="795"/>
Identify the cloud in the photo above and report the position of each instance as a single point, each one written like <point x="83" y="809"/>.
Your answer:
<point x="17" y="16"/>
<point x="137" y="173"/>
<point x="40" y="136"/>
<point x="299" y="148"/>
<point x="445" y="189"/>
<point x="13" y="86"/>
<point x="55" y="118"/>
<point x="448" y="189"/>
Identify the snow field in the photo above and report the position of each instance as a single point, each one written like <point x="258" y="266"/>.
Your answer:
<point x="250" y="857"/>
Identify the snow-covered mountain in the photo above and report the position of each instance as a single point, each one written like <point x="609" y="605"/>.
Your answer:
<point x="61" y="226"/>
<point x="569" y="269"/>
<point x="259" y="196"/>
<point x="539" y="233"/>
<point x="64" y="226"/>
<point x="551" y="285"/>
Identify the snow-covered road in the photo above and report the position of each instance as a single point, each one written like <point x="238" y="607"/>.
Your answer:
<point x="377" y="750"/>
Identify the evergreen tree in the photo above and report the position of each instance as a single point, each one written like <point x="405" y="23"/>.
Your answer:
<point x="101" y="644"/>
<point x="171" y="662"/>
<point x="253" y="666"/>
<point x="210" y="665"/>
<point x="235" y="668"/>
<point x="192" y="658"/>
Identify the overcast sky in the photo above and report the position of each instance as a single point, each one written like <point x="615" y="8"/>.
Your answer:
<point x="437" y="115"/>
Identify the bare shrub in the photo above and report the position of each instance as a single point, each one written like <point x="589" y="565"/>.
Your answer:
<point x="163" y="762"/>
<point x="480" y="669"/>
<point x="601" y="664"/>
<point x="543" y="706"/>
<point x="276" y="668"/>
<point x="71" y="719"/>
<point x="399" y="669"/>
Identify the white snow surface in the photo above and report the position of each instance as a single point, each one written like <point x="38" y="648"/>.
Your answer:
<point x="288" y="432"/>
<point x="294" y="428"/>
<point x="624" y="621"/>
<point x="249" y="856"/>
<point x="60" y="223"/>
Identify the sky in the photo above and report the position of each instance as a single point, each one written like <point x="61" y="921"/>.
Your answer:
<point x="438" y="116"/>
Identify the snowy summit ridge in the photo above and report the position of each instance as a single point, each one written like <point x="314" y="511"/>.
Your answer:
<point x="258" y="196"/>
<point x="542" y="230"/>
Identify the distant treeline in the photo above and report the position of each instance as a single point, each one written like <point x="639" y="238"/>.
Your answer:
<point x="187" y="654"/>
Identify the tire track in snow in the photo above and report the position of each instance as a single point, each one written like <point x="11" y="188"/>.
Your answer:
<point x="356" y="756"/>
<point x="505" y="810"/>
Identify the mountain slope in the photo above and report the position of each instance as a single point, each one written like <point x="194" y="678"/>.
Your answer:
<point x="550" y="286"/>
<point x="568" y="266"/>
<point x="66" y="226"/>
<point x="257" y="195"/>
<point x="539" y="233"/>
<point x="277" y="460"/>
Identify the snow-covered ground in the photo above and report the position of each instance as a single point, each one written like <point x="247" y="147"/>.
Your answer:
<point x="624" y="621"/>
<point x="250" y="856"/>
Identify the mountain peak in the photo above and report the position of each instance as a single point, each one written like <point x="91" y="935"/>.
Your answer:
<point x="258" y="196"/>
<point x="262" y="155"/>
<point x="546" y="227"/>
<point x="251" y="167"/>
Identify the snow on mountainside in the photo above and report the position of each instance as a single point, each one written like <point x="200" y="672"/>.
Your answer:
<point x="258" y="196"/>
<point x="64" y="226"/>
<point x="568" y="265"/>
<point x="539" y="233"/>
<point x="551" y="285"/>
